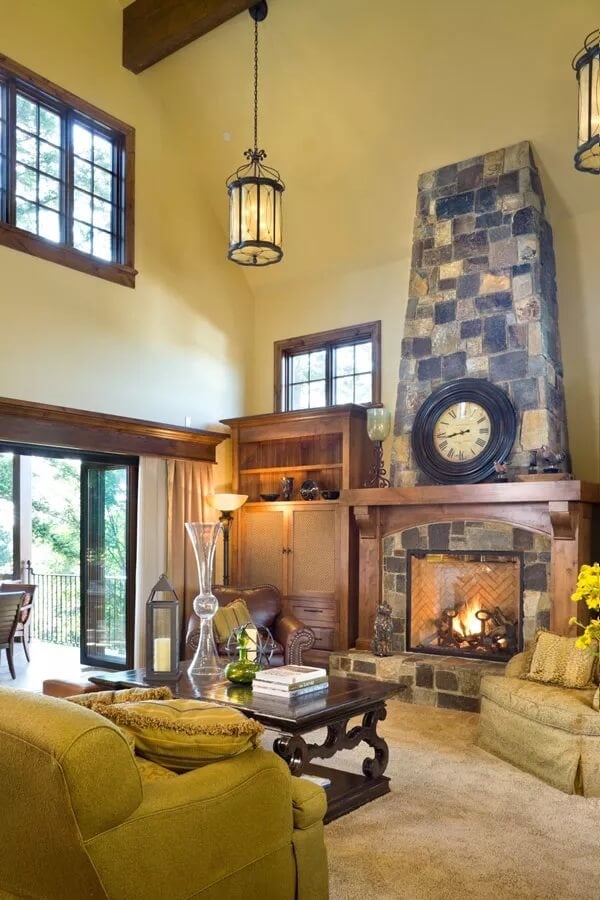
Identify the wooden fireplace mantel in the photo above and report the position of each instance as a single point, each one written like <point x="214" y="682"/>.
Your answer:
<point x="563" y="510"/>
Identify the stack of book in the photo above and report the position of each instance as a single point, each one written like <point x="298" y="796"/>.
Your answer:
<point x="290" y="682"/>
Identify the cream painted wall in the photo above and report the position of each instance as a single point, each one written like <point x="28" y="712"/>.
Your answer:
<point x="356" y="101"/>
<point x="179" y="343"/>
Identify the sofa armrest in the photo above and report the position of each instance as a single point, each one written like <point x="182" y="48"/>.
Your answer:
<point x="309" y="803"/>
<point x="518" y="665"/>
<point x="56" y="687"/>
<point x="212" y="831"/>
<point x="294" y="636"/>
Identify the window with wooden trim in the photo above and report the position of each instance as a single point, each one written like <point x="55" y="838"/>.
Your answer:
<point x="329" y="368"/>
<point x="66" y="177"/>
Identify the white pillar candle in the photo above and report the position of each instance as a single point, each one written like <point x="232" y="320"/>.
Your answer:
<point x="252" y="643"/>
<point x="162" y="654"/>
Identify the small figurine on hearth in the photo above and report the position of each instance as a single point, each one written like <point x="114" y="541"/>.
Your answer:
<point x="382" y="631"/>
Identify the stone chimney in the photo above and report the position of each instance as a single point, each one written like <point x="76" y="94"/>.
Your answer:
<point x="482" y="300"/>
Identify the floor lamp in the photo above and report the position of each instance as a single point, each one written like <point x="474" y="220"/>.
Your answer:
<point x="226" y="504"/>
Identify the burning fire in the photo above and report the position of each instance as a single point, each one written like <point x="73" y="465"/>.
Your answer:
<point x="466" y="622"/>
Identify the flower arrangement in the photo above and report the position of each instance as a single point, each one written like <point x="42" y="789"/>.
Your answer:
<point x="588" y="589"/>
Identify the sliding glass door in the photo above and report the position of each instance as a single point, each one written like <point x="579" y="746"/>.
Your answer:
<point x="108" y="492"/>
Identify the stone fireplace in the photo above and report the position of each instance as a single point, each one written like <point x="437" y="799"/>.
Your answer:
<point x="464" y="603"/>
<point x="482" y="304"/>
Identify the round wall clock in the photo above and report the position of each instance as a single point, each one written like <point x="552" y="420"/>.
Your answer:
<point x="462" y="429"/>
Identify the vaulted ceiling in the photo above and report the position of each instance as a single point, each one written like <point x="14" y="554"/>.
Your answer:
<point x="357" y="99"/>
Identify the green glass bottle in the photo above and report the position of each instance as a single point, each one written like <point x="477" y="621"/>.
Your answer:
<point x="242" y="670"/>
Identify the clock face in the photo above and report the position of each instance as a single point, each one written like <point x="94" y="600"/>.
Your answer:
<point x="462" y="431"/>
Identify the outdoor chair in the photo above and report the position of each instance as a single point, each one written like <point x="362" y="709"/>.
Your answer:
<point x="23" y="632"/>
<point x="10" y="609"/>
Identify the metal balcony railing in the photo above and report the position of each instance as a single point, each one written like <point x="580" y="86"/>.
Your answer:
<point x="57" y="609"/>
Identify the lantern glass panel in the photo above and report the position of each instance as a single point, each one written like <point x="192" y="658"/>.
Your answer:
<point x="584" y="99"/>
<point x="267" y="232"/>
<point x="162" y="637"/>
<point x="234" y="224"/>
<point x="595" y="86"/>
<point x="249" y="212"/>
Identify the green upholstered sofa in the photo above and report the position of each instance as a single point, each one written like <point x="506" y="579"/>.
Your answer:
<point x="77" y="822"/>
<point x="549" y="731"/>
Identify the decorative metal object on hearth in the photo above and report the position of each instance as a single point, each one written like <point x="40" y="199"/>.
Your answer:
<point x="378" y="428"/>
<point x="261" y="644"/>
<point x="500" y="470"/>
<point x="382" y="631"/>
<point x="587" y="67"/>
<point x="552" y="460"/>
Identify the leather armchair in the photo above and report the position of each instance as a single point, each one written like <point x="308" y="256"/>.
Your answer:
<point x="242" y="827"/>
<point x="265" y="604"/>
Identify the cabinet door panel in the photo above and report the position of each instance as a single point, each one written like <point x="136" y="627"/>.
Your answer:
<point x="313" y="542"/>
<point x="263" y="559"/>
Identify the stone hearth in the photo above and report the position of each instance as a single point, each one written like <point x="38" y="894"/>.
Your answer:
<point x="447" y="682"/>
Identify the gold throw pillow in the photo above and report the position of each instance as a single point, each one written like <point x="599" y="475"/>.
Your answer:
<point x="184" y="734"/>
<point x="229" y="617"/>
<point x="556" y="660"/>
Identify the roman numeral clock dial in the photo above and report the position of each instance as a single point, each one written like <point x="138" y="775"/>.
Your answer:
<point x="462" y="429"/>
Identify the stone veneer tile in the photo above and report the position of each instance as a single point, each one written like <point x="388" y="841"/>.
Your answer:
<point x="456" y="701"/>
<point x="456" y="205"/>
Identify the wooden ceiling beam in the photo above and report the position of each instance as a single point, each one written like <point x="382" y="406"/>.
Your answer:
<point x="153" y="29"/>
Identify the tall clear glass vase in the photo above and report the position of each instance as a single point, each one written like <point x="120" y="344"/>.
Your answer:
<point x="206" y="663"/>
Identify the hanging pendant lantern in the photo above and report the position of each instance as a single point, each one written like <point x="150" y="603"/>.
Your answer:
<point x="587" y="66"/>
<point x="255" y="192"/>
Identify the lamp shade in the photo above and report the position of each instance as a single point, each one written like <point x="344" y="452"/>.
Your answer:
<point x="587" y="67"/>
<point x="378" y="423"/>
<point x="227" y="502"/>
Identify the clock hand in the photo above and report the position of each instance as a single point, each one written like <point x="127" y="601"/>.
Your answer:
<point x="457" y="433"/>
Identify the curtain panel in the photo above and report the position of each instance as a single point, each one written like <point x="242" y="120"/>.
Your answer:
<point x="189" y="483"/>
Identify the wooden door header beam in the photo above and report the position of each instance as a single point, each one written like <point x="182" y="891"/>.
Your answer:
<point x="153" y="29"/>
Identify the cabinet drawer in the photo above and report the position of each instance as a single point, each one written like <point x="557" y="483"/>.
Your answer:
<point x="314" y="612"/>
<point x="325" y="638"/>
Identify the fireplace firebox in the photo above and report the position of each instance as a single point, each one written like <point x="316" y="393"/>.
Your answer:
<point x="465" y="603"/>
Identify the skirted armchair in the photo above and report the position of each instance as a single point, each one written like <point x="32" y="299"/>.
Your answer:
<point x="71" y="792"/>
<point x="265" y="605"/>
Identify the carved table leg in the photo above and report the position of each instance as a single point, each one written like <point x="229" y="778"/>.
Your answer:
<point x="298" y="754"/>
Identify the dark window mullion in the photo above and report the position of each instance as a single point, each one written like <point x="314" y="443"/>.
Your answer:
<point x="11" y="151"/>
<point x="329" y="375"/>
<point x="69" y="181"/>
<point x="4" y="150"/>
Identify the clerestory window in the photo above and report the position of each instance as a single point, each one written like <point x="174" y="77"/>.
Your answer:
<point x="66" y="177"/>
<point x="329" y="368"/>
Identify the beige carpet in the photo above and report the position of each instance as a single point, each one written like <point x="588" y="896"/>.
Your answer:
<point x="461" y="824"/>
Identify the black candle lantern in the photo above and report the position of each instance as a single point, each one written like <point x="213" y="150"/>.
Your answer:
<point x="162" y="633"/>
<point x="587" y="66"/>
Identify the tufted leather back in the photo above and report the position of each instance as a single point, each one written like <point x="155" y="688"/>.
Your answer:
<point x="264" y="602"/>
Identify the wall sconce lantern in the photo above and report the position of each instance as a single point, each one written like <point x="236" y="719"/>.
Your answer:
<point x="378" y="428"/>
<point x="162" y="633"/>
<point x="226" y="504"/>
<point x="587" y="67"/>
<point x="255" y="192"/>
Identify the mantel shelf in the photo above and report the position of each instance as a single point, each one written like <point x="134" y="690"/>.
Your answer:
<point x="495" y="492"/>
<point x="282" y="469"/>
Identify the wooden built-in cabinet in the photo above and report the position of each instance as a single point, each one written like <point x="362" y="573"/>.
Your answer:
<point x="307" y="548"/>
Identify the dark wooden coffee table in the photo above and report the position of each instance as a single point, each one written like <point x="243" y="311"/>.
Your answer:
<point x="344" y="700"/>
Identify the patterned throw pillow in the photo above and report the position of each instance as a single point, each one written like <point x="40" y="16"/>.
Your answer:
<point x="126" y="695"/>
<point x="556" y="660"/>
<point x="229" y="617"/>
<point x="184" y="734"/>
